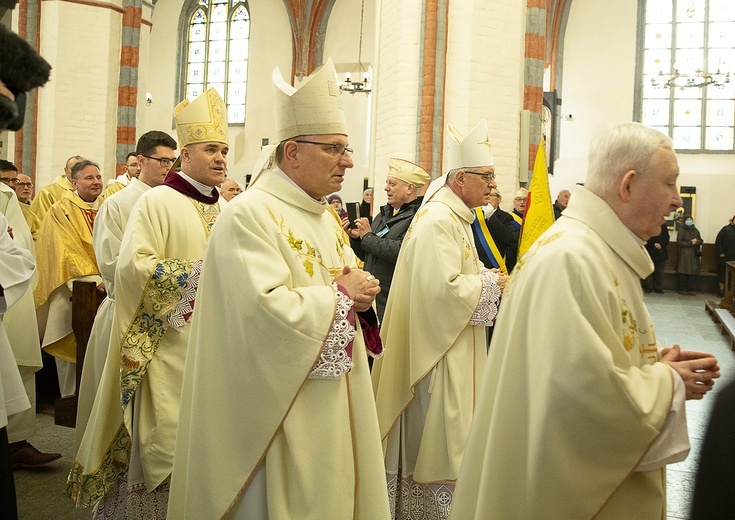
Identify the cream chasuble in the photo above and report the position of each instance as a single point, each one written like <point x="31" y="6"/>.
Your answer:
<point x="20" y="320"/>
<point x="65" y="252"/>
<point x="425" y="383"/>
<point x="572" y="397"/>
<point x="132" y="426"/>
<point x="15" y="277"/>
<point x="50" y="195"/>
<point x="109" y="225"/>
<point x="258" y="438"/>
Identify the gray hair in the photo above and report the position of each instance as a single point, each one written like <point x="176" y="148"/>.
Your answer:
<point x="621" y="148"/>
<point x="79" y="166"/>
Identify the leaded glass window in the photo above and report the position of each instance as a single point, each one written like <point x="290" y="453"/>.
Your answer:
<point x="217" y="53"/>
<point x="685" y="40"/>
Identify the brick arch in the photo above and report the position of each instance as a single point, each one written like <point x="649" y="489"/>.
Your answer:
<point x="308" y="19"/>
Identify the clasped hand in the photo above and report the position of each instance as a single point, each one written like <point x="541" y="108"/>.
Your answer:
<point x="360" y="285"/>
<point x="698" y="370"/>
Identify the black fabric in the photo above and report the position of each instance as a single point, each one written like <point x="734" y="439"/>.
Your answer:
<point x="8" y="507"/>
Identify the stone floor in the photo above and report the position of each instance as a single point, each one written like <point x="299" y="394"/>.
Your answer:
<point x="678" y="319"/>
<point x="683" y="320"/>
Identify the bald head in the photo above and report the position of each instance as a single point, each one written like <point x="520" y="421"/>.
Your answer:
<point x="230" y="189"/>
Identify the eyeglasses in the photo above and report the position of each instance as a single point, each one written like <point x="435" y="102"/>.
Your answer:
<point x="8" y="180"/>
<point x="25" y="184"/>
<point x="487" y="177"/>
<point x="337" y="149"/>
<point x="164" y="161"/>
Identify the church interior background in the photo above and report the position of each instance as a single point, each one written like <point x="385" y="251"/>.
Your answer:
<point x="120" y="66"/>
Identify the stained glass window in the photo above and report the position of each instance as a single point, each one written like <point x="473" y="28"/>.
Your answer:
<point x="217" y="52"/>
<point x="682" y="41"/>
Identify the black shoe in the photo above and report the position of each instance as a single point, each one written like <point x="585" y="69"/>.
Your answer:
<point x="28" y="456"/>
<point x="658" y="291"/>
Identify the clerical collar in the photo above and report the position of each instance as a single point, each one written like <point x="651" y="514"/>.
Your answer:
<point x="280" y="172"/>
<point x="184" y="184"/>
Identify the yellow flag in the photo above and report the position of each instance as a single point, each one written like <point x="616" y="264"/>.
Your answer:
<point x="539" y="213"/>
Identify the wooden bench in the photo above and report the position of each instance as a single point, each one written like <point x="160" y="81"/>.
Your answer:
<point x="707" y="277"/>
<point x="85" y="298"/>
<point x="723" y="311"/>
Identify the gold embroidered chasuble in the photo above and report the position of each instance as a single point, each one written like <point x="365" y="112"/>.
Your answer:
<point x="162" y="246"/>
<point x="31" y="219"/>
<point x="115" y="186"/>
<point x="50" y="195"/>
<point x="65" y="252"/>
<point x="248" y="408"/>
<point x="425" y="383"/>
<point x="572" y="397"/>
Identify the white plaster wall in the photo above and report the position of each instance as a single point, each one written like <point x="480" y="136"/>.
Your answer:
<point x="485" y="67"/>
<point x="78" y="106"/>
<point x="397" y="81"/>
<point x="598" y="89"/>
<point x="342" y="44"/>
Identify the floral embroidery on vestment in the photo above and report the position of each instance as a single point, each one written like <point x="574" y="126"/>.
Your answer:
<point x="85" y="489"/>
<point x="184" y="309"/>
<point x="208" y="214"/>
<point x="335" y="360"/>
<point x="160" y="297"/>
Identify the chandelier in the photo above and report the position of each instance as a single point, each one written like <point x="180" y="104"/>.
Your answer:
<point x="359" y="79"/>
<point x="696" y="79"/>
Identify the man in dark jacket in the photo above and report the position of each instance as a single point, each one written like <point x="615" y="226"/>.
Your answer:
<point x="378" y="245"/>
<point x="725" y="245"/>
<point x="656" y="247"/>
<point x="499" y="228"/>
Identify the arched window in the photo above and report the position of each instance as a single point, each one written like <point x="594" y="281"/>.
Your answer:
<point x="216" y="52"/>
<point x="688" y="49"/>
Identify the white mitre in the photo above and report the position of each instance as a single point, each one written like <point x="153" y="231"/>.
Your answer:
<point x="203" y="120"/>
<point x="312" y="109"/>
<point x="471" y="151"/>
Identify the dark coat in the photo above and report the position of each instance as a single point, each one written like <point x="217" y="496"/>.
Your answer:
<point x="688" y="259"/>
<point x="511" y="256"/>
<point x="725" y="243"/>
<point x="501" y="234"/>
<point x="659" y="255"/>
<point x="380" y="250"/>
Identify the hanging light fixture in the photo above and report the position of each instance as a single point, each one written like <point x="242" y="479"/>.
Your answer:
<point x="696" y="79"/>
<point x="358" y="80"/>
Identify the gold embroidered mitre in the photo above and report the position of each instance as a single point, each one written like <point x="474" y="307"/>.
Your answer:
<point x="470" y="151"/>
<point x="203" y="120"/>
<point x="312" y="109"/>
<point x="408" y="172"/>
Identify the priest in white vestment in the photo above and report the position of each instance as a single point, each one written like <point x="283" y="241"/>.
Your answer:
<point x="17" y="270"/>
<point x="155" y="155"/>
<point x="277" y="417"/>
<point x="22" y="331"/>
<point x="441" y="299"/>
<point x="580" y="408"/>
<point x="125" y="458"/>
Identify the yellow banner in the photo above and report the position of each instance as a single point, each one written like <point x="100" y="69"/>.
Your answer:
<point x="539" y="210"/>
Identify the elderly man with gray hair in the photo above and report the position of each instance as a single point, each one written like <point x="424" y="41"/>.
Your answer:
<point x="581" y="409"/>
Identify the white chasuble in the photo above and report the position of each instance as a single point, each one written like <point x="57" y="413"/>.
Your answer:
<point x="435" y="350"/>
<point x="257" y="429"/>
<point x="573" y="396"/>
<point x="160" y="257"/>
<point x="107" y="235"/>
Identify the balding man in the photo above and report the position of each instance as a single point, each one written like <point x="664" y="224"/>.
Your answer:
<point x="55" y="191"/>
<point x="442" y="298"/>
<point x="582" y="424"/>
<point x="561" y="202"/>
<point x="230" y="189"/>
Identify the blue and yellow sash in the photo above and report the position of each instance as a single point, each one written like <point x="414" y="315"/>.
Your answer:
<point x="517" y="221"/>
<point x="487" y="242"/>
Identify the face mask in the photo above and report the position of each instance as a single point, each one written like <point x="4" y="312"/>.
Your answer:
<point x="689" y="223"/>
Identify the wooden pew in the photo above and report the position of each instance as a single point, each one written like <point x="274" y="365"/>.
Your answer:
<point x="707" y="277"/>
<point x="85" y="300"/>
